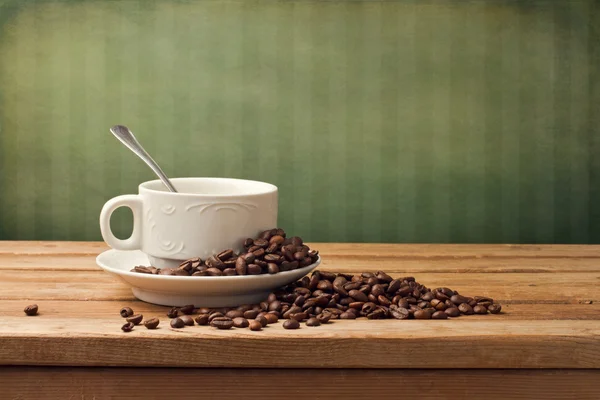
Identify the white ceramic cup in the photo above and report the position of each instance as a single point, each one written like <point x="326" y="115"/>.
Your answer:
<point x="205" y="217"/>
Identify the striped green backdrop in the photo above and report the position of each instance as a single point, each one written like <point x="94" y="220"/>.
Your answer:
<point x="397" y="121"/>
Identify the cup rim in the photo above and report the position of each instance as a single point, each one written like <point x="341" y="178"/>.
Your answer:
<point x="269" y="188"/>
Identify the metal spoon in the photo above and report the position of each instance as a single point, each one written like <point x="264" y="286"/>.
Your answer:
<point x="126" y="137"/>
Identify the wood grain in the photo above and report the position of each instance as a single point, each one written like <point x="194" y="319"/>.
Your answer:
<point x="549" y="293"/>
<point x="460" y="343"/>
<point x="35" y="383"/>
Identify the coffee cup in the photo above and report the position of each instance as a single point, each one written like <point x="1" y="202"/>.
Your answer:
<point x="204" y="217"/>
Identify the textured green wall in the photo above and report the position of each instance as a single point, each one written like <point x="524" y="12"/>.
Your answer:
<point x="407" y="121"/>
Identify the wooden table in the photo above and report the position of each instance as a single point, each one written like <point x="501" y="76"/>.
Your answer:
<point x="545" y="346"/>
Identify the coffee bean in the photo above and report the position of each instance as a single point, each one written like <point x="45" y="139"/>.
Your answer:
<point x="325" y="286"/>
<point x="240" y="322"/>
<point x="234" y="314"/>
<point x="277" y="239"/>
<point x="240" y="266"/>
<point x="299" y="316"/>
<point x="214" y="272"/>
<point x="439" y="315"/>
<point x="187" y="309"/>
<point x="495" y="308"/>
<point x="452" y="312"/>
<point x="358" y="296"/>
<point x="187" y="320"/>
<point x="135" y="319"/>
<point x="275" y="305"/>
<point x="347" y="315"/>
<point x="383" y="301"/>
<point x="466" y="309"/>
<point x="31" y="310"/>
<point x="479" y="309"/>
<point x="200" y="273"/>
<point x="274" y="258"/>
<point x="152" y="323"/>
<point x="255" y="325"/>
<point x="422" y="314"/>
<point x="177" y="323"/>
<point x="291" y="324"/>
<point x="250" y="314"/>
<point x="254" y="269"/>
<point x="313" y="322"/>
<point x="214" y="315"/>
<point x="368" y="307"/>
<point x="263" y="321"/>
<point x="383" y="277"/>
<point x="324" y="317"/>
<point x="214" y="262"/>
<point x="173" y="313"/>
<point x="202" y="319"/>
<point x="259" y="253"/>
<point x="128" y="327"/>
<point x="399" y="313"/>
<point x="229" y="272"/>
<point x="273" y="268"/>
<point x="221" y="323"/>
<point x="225" y="255"/>
<point x="125" y="312"/>
<point x="271" y="317"/>
<point x="458" y="299"/>
<point x="438" y="304"/>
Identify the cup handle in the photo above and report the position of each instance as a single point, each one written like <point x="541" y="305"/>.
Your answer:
<point x="134" y="202"/>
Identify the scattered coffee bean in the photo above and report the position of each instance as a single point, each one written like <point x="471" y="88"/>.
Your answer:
<point x="135" y="319"/>
<point x="126" y="312"/>
<point x="250" y="314"/>
<point x="271" y="317"/>
<point x="291" y="324"/>
<point x="31" y="310"/>
<point x="240" y="322"/>
<point x="173" y="312"/>
<point x="177" y="323"/>
<point x="221" y="323"/>
<point x="452" y="312"/>
<point x="466" y="309"/>
<point x="152" y="323"/>
<point x="313" y="322"/>
<point x="255" y="325"/>
<point x="439" y="315"/>
<point x="187" y="320"/>
<point x="128" y="327"/>
<point x="263" y="321"/>
<point x="202" y="319"/>
<point x="187" y="310"/>
<point x="494" y="308"/>
<point x="479" y="309"/>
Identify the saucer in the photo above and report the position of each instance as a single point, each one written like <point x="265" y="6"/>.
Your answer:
<point x="201" y="291"/>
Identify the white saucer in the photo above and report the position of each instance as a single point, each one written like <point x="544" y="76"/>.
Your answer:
<point x="201" y="291"/>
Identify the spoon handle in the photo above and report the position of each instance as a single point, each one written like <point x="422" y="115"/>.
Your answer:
<point x="126" y="137"/>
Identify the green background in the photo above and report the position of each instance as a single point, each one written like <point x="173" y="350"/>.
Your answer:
<point x="405" y="121"/>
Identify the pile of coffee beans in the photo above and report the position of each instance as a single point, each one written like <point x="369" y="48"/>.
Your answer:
<point x="271" y="252"/>
<point x="326" y="296"/>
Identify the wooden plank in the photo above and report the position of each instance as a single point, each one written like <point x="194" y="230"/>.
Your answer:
<point x="462" y="343"/>
<point x="109" y="309"/>
<point x="363" y="250"/>
<point x="507" y="288"/>
<point x="126" y="383"/>
<point x="78" y="262"/>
